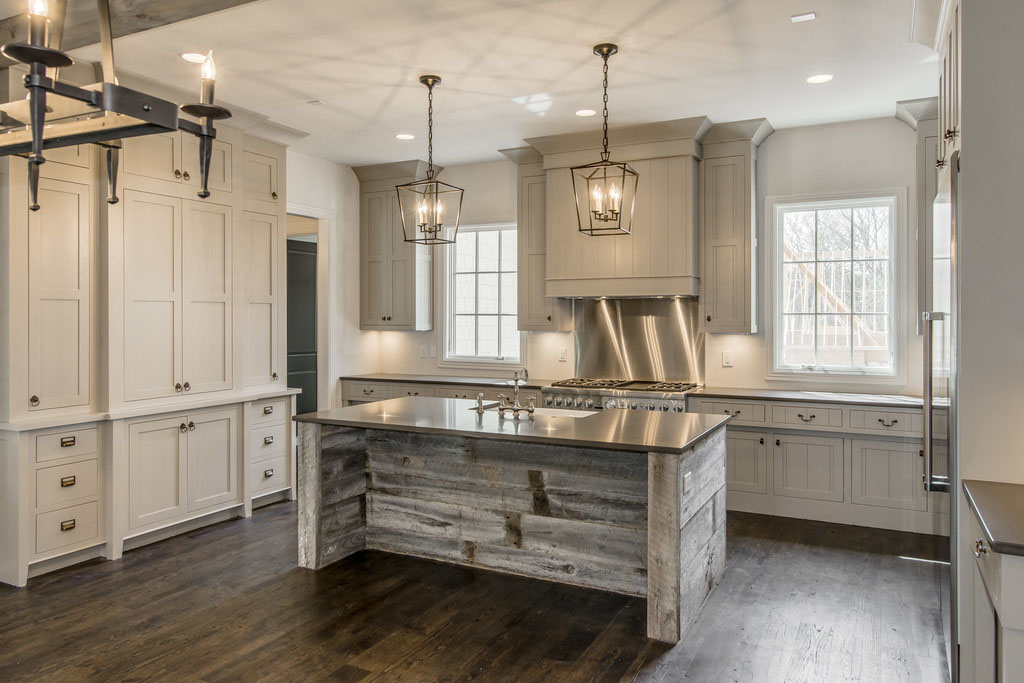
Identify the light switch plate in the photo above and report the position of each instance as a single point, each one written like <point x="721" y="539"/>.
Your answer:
<point x="687" y="482"/>
<point x="726" y="359"/>
<point x="562" y="355"/>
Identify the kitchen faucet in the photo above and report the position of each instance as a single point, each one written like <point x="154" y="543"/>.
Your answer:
<point x="503" y="405"/>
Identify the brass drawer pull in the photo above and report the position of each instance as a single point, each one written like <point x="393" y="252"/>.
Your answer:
<point x="177" y="386"/>
<point x="268" y="410"/>
<point x="67" y="441"/>
<point x="177" y="173"/>
<point x="367" y="392"/>
<point x="186" y="386"/>
<point x="806" y="419"/>
<point x="267" y="440"/>
<point x="67" y="525"/>
<point x="191" y="426"/>
<point x="887" y="424"/>
<point x="33" y="401"/>
<point x="267" y="474"/>
<point x="67" y="481"/>
<point x="182" y="427"/>
<point x="185" y="175"/>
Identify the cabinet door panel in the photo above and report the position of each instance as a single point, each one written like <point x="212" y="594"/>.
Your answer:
<point x="59" y="296"/>
<point x="206" y="288"/>
<point x="152" y="290"/>
<point x="375" y="238"/>
<point x="727" y="259"/>
<point x="212" y="461"/>
<point x="153" y="156"/>
<point x="746" y="461"/>
<point x="261" y="285"/>
<point x="402" y="270"/>
<point x="535" y="309"/>
<point x="156" y="471"/>
<point x="888" y="474"/>
<point x="261" y="180"/>
<point x="808" y="467"/>
<point x="220" y="164"/>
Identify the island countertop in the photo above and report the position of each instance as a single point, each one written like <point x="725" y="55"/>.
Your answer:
<point x="622" y="430"/>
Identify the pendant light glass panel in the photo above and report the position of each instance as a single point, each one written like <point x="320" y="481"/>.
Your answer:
<point x="430" y="211"/>
<point x="605" y="197"/>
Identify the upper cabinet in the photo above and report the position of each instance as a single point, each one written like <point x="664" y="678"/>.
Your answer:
<point x="396" y="279"/>
<point x="536" y="311"/>
<point x="660" y="257"/>
<point x="949" y="85"/>
<point x="264" y="163"/>
<point x="173" y="160"/>
<point x="729" y="226"/>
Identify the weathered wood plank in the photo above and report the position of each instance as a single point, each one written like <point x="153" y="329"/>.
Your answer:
<point x="308" y="484"/>
<point x="663" y="547"/>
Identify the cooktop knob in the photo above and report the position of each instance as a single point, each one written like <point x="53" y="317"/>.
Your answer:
<point x="680" y="409"/>
<point x="578" y="402"/>
<point x="664" y="407"/>
<point x="548" y="401"/>
<point x="632" y="405"/>
<point x="589" y="403"/>
<point x="650" y="406"/>
<point x="558" y="401"/>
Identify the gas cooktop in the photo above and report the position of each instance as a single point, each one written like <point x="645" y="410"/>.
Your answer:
<point x="623" y="384"/>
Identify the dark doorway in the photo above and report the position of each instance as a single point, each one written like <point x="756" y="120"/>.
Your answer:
<point x="302" y="322"/>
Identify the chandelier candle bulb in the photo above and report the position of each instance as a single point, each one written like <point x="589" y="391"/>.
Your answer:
<point x="209" y="74"/>
<point x="37" y="22"/>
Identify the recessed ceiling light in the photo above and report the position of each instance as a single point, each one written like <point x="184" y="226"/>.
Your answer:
<point x="820" y="78"/>
<point x="585" y="112"/>
<point x="194" y="57"/>
<point x="405" y="136"/>
<point x="806" y="16"/>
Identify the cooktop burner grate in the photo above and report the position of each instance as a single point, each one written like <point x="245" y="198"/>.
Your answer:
<point x="671" y="386"/>
<point x="590" y="383"/>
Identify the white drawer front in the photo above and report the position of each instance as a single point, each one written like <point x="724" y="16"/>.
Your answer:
<point x="888" y="421"/>
<point x="742" y="413"/>
<point x="807" y="415"/>
<point x="66" y="444"/>
<point x="367" y="392"/>
<point x="67" y="526"/>
<point x="270" y="475"/>
<point x="63" y="484"/>
<point x="270" y="411"/>
<point x="269" y="441"/>
<point x="403" y="390"/>
<point x="490" y="394"/>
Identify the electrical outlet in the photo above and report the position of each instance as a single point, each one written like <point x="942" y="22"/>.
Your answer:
<point x="726" y="359"/>
<point x="687" y="482"/>
<point x="563" y="355"/>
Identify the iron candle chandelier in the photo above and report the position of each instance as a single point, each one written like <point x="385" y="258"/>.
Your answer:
<point x="430" y="209"/>
<point x="605" y="190"/>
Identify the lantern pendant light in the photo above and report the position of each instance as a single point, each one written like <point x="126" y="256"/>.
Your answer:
<point x="605" y="190"/>
<point x="430" y="209"/>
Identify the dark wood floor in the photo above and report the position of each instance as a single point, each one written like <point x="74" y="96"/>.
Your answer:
<point x="800" y="601"/>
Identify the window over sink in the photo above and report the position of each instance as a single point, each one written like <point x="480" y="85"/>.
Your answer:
<point x="835" y="287"/>
<point x="481" y="286"/>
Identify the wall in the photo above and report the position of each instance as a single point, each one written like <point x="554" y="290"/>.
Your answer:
<point x="490" y="197"/>
<point x="846" y="157"/>
<point x="327" y="190"/>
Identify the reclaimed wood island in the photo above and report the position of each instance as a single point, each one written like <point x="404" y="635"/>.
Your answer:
<point x="626" y="501"/>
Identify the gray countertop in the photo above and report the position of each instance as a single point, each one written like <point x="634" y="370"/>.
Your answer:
<point x="624" y="430"/>
<point x="891" y="401"/>
<point x="1000" y="510"/>
<point x="445" y="379"/>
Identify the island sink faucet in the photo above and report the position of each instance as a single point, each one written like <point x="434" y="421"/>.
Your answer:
<point x="514" y="405"/>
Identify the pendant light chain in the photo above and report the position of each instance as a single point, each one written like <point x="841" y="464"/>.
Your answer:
<point x="605" y="154"/>
<point x="430" y="131"/>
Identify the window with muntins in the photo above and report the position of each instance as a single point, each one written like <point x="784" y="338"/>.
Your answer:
<point x="834" y="286"/>
<point x="482" y="288"/>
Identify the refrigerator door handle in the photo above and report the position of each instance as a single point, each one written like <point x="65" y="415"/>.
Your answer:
<point x="931" y="481"/>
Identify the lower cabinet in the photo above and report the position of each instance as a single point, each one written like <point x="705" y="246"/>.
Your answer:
<point x="889" y="474"/>
<point x="180" y="464"/>
<point x="808" y="467"/>
<point x="746" y="461"/>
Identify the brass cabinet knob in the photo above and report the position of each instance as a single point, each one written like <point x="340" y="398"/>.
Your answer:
<point x="191" y="426"/>
<point x="67" y="525"/>
<point x="778" y="442"/>
<point x="33" y="400"/>
<point x="177" y="386"/>
<point x="187" y="387"/>
<point x="273" y="375"/>
<point x="183" y="427"/>
<point x="708" y="318"/>
<point x="177" y="173"/>
<point x="549" y="318"/>
<point x="762" y="440"/>
<point x="273" y="195"/>
<point x="389" y="318"/>
<point x="383" y="317"/>
<point x="186" y="176"/>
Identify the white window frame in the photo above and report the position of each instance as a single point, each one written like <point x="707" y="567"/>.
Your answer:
<point x="774" y="206"/>
<point x="447" y="356"/>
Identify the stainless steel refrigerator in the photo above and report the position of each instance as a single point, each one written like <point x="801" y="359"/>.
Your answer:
<point x="939" y="326"/>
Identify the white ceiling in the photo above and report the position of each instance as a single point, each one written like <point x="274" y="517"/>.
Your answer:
<point x="514" y="69"/>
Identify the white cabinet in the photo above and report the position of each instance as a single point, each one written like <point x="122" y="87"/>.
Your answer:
<point x="949" y="84"/>
<point x="729" y="226"/>
<point x="888" y="474"/>
<point x="173" y="158"/>
<point x="177" y="289"/>
<point x="808" y="467"/>
<point x="263" y="161"/>
<point x="153" y="156"/>
<point x="746" y="461"/>
<point x="396" y="281"/>
<point x="181" y="464"/>
<point x="262" y="297"/>
<point x="59" y="306"/>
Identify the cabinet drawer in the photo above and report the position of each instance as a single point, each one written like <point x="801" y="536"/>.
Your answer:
<point x="67" y="526"/>
<point x="490" y="394"/>
<point x="270" y="475"/>
<point x="402" y="390"/>
<point x="269" y="441"/>
<point x="743" y="413"/>
<point x="63" y="484"/>
<point x="367" y="392"/>
<point x="66" y="444"/>
<point x="807" y="415"/>
<point x="888" y="421"/>
<point x="270" y="411"/>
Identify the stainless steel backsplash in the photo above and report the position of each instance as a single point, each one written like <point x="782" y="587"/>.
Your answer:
<point x="655" y="339"/>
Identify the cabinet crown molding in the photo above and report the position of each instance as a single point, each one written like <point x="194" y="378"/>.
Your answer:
<point x="912" y="112"/>
<point x="754" y="130"/>
<point x="523" y="155"/>
<point x="692" y="129"/>
<point x="394" y="170"/>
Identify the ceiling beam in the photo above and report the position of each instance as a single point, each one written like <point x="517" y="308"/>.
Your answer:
<point x="81" y="26"/>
